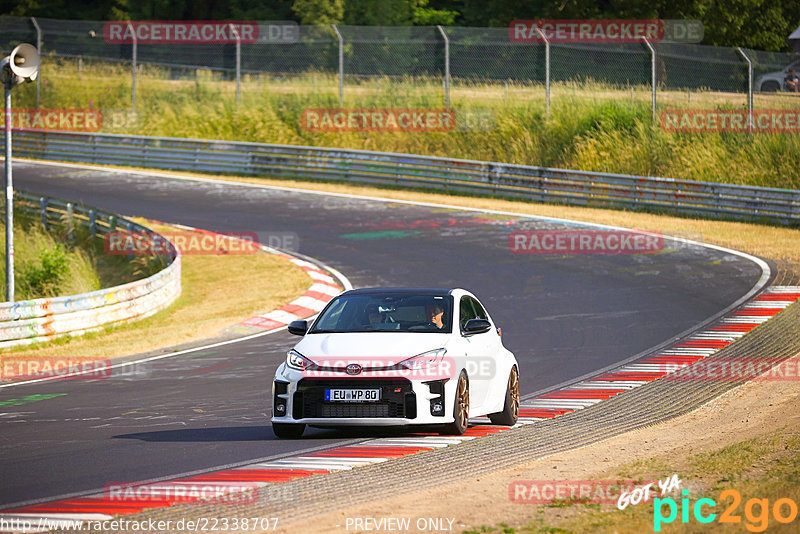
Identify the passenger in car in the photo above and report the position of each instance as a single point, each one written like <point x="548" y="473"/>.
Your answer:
<point x="374" y="315"/>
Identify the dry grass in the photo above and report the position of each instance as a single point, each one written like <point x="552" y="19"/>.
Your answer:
<point x="218" y="292"/>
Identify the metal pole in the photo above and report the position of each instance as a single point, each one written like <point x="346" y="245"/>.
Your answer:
<point x="38" y="49"/>
<point x="546" y="69"/>
<point x="341" y="65"/>
<point x="238" y="61"/>
<point x="652" y="73"/>
<point x="446" y="66"/>
<point x="9" y="201"/>
<point x="749" y="89"/>
<point x="133" y="71"/>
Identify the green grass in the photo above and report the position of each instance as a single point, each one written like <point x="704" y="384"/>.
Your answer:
<point x="52" y="264"/>
<point x="590" y="126"/>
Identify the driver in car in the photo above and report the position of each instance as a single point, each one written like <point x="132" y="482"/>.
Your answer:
<point x="435" y="312"/>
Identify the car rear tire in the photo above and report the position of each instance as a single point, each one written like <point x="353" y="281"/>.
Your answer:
<point x="770" y="86"/>
<point x="288" y="430"/>
<point x="460" y="408"/>
<point x="510" y="413"/>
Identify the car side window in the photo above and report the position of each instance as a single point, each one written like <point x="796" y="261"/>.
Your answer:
<point x="479" y="311"/>
<point x="467" y="312"/>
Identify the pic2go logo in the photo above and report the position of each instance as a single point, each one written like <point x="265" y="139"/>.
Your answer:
<point x="756" y="511"/>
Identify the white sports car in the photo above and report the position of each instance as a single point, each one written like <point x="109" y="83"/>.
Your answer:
<point x="396" y="357"/>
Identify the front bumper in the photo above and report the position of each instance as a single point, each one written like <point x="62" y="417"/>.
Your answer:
<point x="402" y="402"/>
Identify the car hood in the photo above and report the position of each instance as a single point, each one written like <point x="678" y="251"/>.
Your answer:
<point x="396" y="346"/>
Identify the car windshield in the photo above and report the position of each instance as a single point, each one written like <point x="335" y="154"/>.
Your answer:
<point x="387" y="312"/>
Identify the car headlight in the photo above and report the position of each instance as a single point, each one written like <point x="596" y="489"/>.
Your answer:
<point x="295" y="360"/>
<point x="424" y="360"/>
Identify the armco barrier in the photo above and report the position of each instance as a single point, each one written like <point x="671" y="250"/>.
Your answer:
<point x="685" y="197"/>
<point x="32" y="321"/>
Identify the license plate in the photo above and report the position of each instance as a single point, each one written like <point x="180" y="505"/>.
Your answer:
<point x="352" y="395"/>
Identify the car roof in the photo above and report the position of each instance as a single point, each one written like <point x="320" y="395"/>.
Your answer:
<point x="400" y="290"/>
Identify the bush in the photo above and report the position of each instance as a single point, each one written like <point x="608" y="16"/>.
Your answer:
<point x="44" y="275"/>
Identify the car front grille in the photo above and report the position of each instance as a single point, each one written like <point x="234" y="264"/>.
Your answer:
<point x="357" y="410"/>
<point x="397" y="399"/>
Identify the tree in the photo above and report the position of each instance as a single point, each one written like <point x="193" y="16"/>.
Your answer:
<point x="759" y="24"/>
<point x="429" y="16"/>
<point x="379" y="12"/>
<point x="319" y="12"/>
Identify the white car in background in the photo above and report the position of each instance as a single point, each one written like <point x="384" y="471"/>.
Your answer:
<point x="775" y="81"/>
<point x="396" y="357"/>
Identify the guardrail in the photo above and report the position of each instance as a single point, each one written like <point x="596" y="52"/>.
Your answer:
<point x="541" y="184"/>
<point x="32" y="321"/>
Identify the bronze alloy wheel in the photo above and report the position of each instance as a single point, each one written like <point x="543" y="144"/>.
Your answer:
<point x="460" y="408"/>
<point x="462" y="400"/>
<point x="513" y="389"/>
<point x="510" y="413"/>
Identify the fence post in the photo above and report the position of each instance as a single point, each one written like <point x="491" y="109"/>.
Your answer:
<point x="129" y="232"/>
<point x="341" y="64"/>
<point x="9" y="195"/>
<point x="652" y="73"/>
<point x="93" y="222"/>
<point x="43" y="209"/>
<point x="70" y="229"/>
<point x="133" y="68"/>
<point x="235" y="32"/>
<point x="38" y="49"/>
<point x="446" y="66"/>
<point x="749" y="89"/>
<point x="546" y="69"/>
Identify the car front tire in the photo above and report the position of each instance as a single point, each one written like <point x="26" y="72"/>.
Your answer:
<point x="770" y="87"/>
<point x="288" y="430"/>
<point x="510" y="413"/>
<point x="460" y="408"/>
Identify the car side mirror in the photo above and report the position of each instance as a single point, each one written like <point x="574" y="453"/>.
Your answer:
<point x="477" y="326"/>
<point x="298" y="328"/>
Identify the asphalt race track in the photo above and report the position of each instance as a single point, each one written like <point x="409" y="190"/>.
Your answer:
<point x="562" y="315"/>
